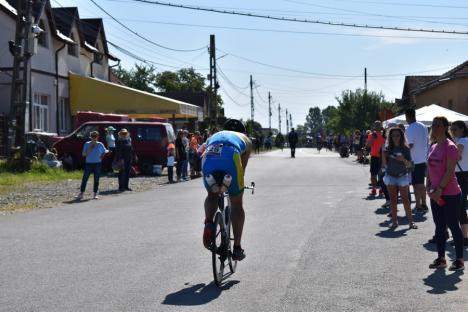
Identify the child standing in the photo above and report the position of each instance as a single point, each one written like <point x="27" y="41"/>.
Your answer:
<point x="170" y="162"/>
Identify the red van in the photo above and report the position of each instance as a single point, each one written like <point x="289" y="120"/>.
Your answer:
<point x="149" y="140"/>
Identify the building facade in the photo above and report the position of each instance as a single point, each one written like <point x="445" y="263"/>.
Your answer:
<point x="66" y="44"/>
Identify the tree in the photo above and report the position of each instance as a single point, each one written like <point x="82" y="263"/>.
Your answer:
<point x="185" y="79"/>
<point x="330" y="115"/>
<point x="314" y="120"/>
<point x="253" y="127"/>
<point x="141" y="77"/>
<point x="358" y="110"/>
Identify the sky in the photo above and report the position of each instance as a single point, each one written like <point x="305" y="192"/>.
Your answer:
<point x="302" y="65"/>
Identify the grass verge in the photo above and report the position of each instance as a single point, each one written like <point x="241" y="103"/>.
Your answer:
<point x="39" y="172"/>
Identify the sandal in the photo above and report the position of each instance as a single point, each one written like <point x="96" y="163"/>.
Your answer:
<point x="412" y="226"/>
<point x="394" y="225"/>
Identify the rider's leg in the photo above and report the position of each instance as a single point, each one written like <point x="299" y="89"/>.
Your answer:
<point x="211" y="204"/>
<point x="238" y="217"/>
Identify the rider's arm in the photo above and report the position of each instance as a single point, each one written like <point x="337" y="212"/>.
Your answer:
<point x="248" y="149"/>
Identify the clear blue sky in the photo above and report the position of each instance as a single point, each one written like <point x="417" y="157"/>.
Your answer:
<point x="331" y="50"/>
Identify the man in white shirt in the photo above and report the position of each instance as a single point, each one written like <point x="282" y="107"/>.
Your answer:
<point x="418" y="140"/>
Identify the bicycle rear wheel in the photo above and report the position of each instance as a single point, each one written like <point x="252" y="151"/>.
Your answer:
<point x="232" y="263"/>
<point x="219" y="251"/>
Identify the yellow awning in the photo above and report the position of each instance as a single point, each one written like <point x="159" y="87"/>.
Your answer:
<point x="91" y="94"/>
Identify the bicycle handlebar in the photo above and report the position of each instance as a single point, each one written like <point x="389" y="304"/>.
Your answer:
<point x="251" y="187"/>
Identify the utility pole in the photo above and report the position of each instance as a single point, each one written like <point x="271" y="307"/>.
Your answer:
<point x="365" y="79"/>
<point x="287" y="122"/>
<point x="213" y="96"/>
<point x="20" y="86"/>
<point x="269" y="111"/>
<point x="279" y="118"/>
<point x="252" y="105"/>
<point x="290" y="121"/>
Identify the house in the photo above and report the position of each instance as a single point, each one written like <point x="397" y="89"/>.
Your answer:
<point x="449" y="90"/>
<point x="67" y="44"/>
<point x="70" y="46"/>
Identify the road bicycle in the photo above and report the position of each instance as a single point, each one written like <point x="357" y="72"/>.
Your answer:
<point x="221" y="247"/>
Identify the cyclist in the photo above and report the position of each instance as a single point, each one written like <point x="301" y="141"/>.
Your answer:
<point x="223" y="165"/>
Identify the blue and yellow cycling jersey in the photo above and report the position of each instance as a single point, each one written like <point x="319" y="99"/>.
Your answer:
<point x="223" y="153"/>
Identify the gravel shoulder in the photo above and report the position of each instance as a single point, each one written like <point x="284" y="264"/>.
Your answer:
<point x="50" y="194"/>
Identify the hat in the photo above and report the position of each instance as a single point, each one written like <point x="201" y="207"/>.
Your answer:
<point x="171" y="146"/>
<point x="123" y="131"/>
<point x="110" y="128"/>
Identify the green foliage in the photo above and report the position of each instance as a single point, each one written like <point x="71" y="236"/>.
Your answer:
<point x="39" y="171"/>
<point x="185" y="79"/>
<point x="253" y="127"/>
<point x="301" y="134"/>
<point x="141" y="77"/>
<point x="314" y="120"/>
<point x="356" y="110"/>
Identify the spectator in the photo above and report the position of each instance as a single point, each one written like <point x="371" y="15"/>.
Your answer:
<point x="110" y="139"/>
<point x="460" y="135"/>
<point x="193" y="155"/>
<point x="417" y="138"/>
<point x="375" y="141"/>
<point x="51" y="160"/>
<point x="293" y="139"/>
<point x="444" y="192"/>
<point x="396" y="160"/>
<point x="126" y="156"/>
<point x="185" y="165"/>
<point x="170" y="162"/>
<point x="356" y="143"/>
<point x="94" y="152"/>
<point x="181" y="155"/>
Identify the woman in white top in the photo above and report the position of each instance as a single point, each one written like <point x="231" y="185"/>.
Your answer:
<point x="460" y="135"/>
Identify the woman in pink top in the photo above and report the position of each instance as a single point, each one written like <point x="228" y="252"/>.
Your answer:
<point x="445" y="193"/>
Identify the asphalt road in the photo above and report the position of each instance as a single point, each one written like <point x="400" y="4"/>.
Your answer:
<point x="313" y="243"/>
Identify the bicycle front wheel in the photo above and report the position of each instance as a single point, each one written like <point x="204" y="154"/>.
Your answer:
<point x="219" y="250"/>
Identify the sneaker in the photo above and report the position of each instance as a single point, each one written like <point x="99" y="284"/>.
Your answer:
<point x="425" y="208"/>
<point x="128" y="189"/>
<point x="457" y="265"/>
<point x="419" y="210"/>
<point x="208" y="234"/>
<point x="439" y="263"/>
<point x="238" y="254"/>
<point x="79" y="196"/>
<point x="433" y="239"/>
<point x="95" y="196"/>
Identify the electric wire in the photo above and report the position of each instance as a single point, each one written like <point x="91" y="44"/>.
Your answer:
<point x="142" y="37"/>
<point x="301" y="20"/>
<point x="292" y="31"/>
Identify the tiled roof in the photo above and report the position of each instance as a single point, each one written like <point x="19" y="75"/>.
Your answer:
<point x="460" y="71"/>
<point x="415" y="82"/>
<point x="64" y="18"/>
<point x="91" y="28"/>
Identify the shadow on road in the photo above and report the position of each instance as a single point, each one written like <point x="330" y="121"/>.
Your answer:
<point x="442" y="283"/>
<point x="392" y="233"/>
<point x="197" y="294"/>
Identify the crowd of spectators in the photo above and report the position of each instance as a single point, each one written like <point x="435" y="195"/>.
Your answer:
<point x="435" y="164"/>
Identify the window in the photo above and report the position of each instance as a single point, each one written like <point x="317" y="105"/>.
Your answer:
<point x="42" y="37"/>
<point x="72" y="47"/>
<point x="64" y="110"/>
<point x="40" y="112"/>
<point x="149" y="133"/>
<point x="83" y="132"/>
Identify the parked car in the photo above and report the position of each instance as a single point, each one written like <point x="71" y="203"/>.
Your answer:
<point x="149" y="140"/>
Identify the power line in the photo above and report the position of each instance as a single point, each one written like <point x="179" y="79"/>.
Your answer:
<point x="324" y="74"/>
<point x="301" y="20"/>
<point x="232" y="99"/>
<point x="372" y="14"/>
<point x="406" y="4"/>
<point x="144" y="38"/>
<point x="291" y="31"/>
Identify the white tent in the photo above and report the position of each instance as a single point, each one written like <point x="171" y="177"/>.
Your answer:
<point x="427" y="113"/>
